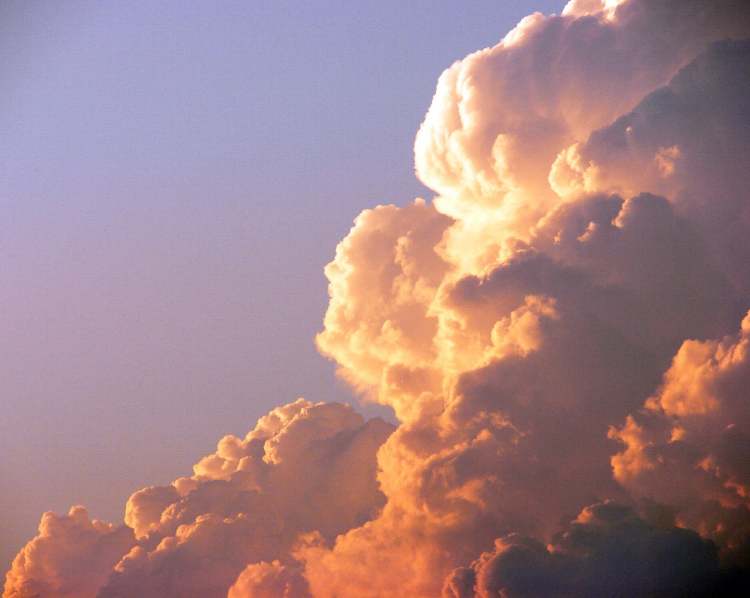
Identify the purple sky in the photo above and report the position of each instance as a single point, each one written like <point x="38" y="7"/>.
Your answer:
<point x="173" y="178"/>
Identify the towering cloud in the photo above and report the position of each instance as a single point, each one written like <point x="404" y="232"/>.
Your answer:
<point x="500" y="116"/>
<point x="556" y="333"/>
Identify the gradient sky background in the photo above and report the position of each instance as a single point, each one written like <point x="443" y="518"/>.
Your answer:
<point x="173" y="178"/>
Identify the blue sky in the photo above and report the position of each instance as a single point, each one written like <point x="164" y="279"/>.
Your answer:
<point x="173" y="178"/>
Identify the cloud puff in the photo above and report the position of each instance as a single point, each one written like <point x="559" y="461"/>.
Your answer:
<point x="606" y="551"/>
<point x="687" y="141"/>
<point x="71" y="557"/>
<point x="382" y="283"/>
<point x="304" y="467"/>
<point x="688" y="446"/>
<point x="269" y="580"/>
<point x="501" y="115"/>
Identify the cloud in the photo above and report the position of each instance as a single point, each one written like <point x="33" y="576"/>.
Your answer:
<point x="560" y="430"/>
<point x="688" y="446"/>
<point x="563" y="337"/>
<point x="546" y="329"/>
<point x="269" y="580"/>
<point x="248" y="501"/>
<point x="71" y="557"/>
<point x="608" y="550"/>
<point x="304" y="467"/>
<point x="501" y="115"/>
<point x="381" y="283"/>
<point x="685" y="141"/>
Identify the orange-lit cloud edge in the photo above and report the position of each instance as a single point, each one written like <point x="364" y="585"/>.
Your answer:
<point x="561" y="333"/>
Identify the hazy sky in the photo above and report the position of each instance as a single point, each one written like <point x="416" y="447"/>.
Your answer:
<point x="173" y="178"/>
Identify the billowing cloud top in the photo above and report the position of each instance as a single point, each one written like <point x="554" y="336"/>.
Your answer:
<point x="562" y="333"/>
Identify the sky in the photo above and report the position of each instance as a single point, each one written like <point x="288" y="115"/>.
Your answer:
<point x="173" y="178"/>
<point x="521" y="236"/>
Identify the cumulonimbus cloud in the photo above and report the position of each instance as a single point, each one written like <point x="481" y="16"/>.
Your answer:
<point x="556" y="332"/>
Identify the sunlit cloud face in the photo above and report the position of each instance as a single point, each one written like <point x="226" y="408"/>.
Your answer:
<point x="561" y="333"/>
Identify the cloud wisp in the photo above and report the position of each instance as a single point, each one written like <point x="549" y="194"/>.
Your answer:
<point x="562" y="333"/>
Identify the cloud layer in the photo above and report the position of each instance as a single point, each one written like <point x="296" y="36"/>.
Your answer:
<point x="556" y="332"/>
